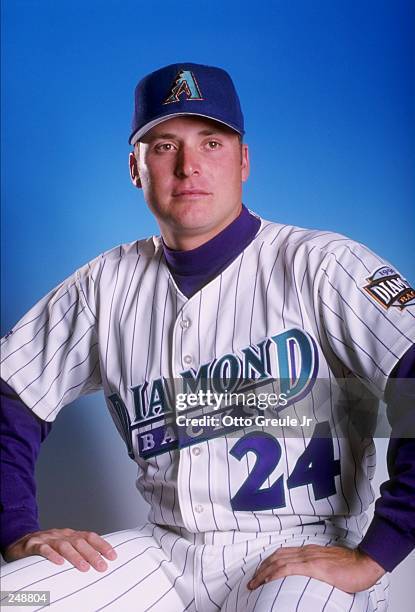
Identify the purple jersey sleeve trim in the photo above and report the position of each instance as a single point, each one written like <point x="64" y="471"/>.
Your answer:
<point x="391" y="535"/>
<point x="21" y="435"/>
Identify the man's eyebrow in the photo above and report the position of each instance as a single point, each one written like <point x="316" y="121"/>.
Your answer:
<point x="171" y="135"/>
<point x="209" y="132"/>
<point x="163" y="135"/>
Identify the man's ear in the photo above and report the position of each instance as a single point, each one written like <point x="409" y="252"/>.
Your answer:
<point x="244" y="162"/>
<point x="134" y="174"/>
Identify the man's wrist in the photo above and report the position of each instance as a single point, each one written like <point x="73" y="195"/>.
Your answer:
<point x="15" y="524"/>
<point x="386" y="544"/>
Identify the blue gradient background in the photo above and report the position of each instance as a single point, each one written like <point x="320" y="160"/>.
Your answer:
<point x="328" y="91"/>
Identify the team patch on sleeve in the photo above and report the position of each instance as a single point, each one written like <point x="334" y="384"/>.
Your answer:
<point x="388" y="288"/>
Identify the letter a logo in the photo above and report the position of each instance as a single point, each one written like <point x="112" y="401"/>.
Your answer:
<point x="184" y="84"/>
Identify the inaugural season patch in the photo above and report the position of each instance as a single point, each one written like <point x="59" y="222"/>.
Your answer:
<point x="388" y="288"/>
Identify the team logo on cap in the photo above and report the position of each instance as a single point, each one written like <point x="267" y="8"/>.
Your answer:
<point x="388" y="288"/>
<point x="184" y="84"/>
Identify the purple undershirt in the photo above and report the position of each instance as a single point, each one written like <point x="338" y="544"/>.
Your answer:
<point x="193" y="269"/>
<point x="391" y="534"/>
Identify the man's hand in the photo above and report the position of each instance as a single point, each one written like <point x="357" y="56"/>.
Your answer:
<point x="349" y="570"/>
<point x="81" y="548"/>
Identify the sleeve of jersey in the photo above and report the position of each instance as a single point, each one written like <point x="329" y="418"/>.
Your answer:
<point x="21" y="434"/>
<point x="51" y="355"/>
<point x="391" y="534"/>
<point x="366" y="312"/>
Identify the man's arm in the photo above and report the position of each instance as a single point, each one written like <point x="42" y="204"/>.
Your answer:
<point x="21" y="435"/>
<point x="391" y="534"/>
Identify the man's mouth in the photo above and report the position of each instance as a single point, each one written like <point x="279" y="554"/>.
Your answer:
<point x="190" y="193"/>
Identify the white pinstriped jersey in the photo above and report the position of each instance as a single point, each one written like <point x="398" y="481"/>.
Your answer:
<point x="296" y="305"/>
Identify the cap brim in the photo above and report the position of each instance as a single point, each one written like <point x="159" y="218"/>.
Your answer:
<point x="141" y="132"/>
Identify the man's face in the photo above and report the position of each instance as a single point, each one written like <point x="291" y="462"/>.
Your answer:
<point x="191" y="171"/>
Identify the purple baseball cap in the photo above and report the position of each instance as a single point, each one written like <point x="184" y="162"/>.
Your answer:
<point x="185" y="89"/>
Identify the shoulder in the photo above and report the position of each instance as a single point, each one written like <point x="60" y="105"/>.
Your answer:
<point x="315" y="258"/>
<point x="116" y="270"/>
<point x="122" y="258"/>
<point x="296" y="237"/>
<point x="294" y="241"/>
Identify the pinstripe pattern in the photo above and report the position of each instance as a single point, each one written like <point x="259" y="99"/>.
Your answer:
<point x="120" y="323"/>
<point x="159" y="570"/>
<point x="286" y="278"/>
<point x="130" y="285"/>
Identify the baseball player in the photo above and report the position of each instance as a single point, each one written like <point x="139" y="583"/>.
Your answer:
<point x="241" y="361"/>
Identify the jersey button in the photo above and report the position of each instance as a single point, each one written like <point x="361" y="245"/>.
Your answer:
<point x="198" y="508"/>
<point x="196" y="450"/>
<point x="184" y="323"/>
<point x="187" y="359"/>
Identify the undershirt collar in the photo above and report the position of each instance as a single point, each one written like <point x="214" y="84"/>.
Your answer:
<point x="193" y="269"/>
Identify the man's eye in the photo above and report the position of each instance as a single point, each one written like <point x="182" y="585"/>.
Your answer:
<point x="213" y="145"/>
<point x="164" y="146"/>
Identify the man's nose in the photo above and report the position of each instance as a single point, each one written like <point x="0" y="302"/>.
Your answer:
<point x="187" y="162"/>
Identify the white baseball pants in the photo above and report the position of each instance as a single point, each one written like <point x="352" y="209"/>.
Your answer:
<point x="160" y="569"/>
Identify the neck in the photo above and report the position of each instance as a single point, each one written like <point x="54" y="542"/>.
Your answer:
<point x="183" y="241"/>
<point x="192" y="269"/>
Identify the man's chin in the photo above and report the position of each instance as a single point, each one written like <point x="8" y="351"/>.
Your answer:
<point x="194" y="215"/>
